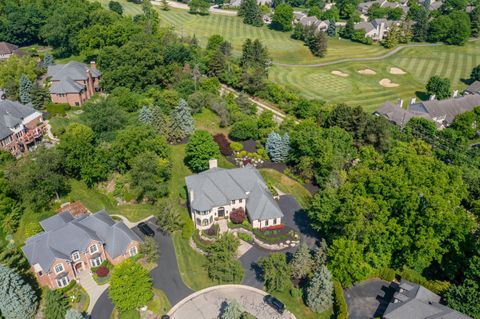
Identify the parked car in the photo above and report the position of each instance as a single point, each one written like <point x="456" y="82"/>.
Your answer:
<point x="274" y="303"/>
<point x="165" y="317"/>
<point x="145" y="229"/>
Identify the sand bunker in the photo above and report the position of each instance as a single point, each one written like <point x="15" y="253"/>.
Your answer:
<point x="367" y="72"/>
<point x="388" y="83"/>
<point x="339" y="73"/>
<point x="397" y="71"/>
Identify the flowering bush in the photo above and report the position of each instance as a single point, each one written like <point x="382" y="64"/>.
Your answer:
<point x="237" y="216"/>
<point x="102" y="271"/>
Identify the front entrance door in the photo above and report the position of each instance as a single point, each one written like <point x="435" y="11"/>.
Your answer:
<point x="221" y="212"/>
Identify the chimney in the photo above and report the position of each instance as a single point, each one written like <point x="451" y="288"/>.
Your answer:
<point x="212" y="163"/>
<point x="413" y="100"/>
<point x="93" y="65"/>
<point x="432" y="97"/>
<point x="455" y="93"/>
<point x="400" y="103"/>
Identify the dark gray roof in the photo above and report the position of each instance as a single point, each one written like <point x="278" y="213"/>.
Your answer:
<point x="65" y="76"/>
<point x="7" y="48"/>
<point x="64" y="234"/>
<point x="396" y="114"/>
<point x="413" y="301"/>
<point x="11" y="115"/>
<point x="217" y="187"/>
<point x="66" y="86"/>
<point x="473" y="88"/>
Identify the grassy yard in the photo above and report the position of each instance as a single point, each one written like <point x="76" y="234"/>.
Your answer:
<point x="298" y="308"/>
<point x="159" y="305"/>
<point x="287" y="185"/>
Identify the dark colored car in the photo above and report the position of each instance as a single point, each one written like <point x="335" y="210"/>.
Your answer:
<point x="145" y="229"/>
<point x="274" y="303"/>
<point x="165" y="317"/>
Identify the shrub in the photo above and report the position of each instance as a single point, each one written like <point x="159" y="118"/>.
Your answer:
<point x="340" y="305"/>
<point x="237" y="216"/>
<point x="212" y="231"/>
<point x="436" y="286"/>
<point x="245" y="237"/>
<point x="236" y="146"/>
<point x="296" y="292"/>
<point x="102" y="271"/>
<point x="223" y="143"/>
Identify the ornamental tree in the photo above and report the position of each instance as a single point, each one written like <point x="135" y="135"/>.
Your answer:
<point x="25" y="89"/>
<point x="237" y="216"/>
<point x="145" y="115"/>
<point x="56" y="305"/>
<point x="301" y="263"/>
<point x="47" y="60"/>
<point x="276" y="272"/>
<point x="182" y="120"/>
<point x="233" y="310"/>
<point x="73" y="314"/>
<point x="17" y="298"/>
<point x="438" y="86"/>
<point x="200" y="149"/>
<point x="320" y="290"/>
<point x="130" y="286"/>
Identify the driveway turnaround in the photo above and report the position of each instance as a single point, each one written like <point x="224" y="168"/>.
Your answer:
<point x="103" y="307"/>
<point x="252" y="276"/>
<point x="211" y="302"/>
<point x="367" y="299"/>
<point x="296" y="218"/>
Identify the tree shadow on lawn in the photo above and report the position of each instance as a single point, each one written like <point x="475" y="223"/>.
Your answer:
<point x="424" y="96"/>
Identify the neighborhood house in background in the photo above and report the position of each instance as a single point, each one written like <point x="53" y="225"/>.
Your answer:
<point x="214" y="193"/>
<point x="69" y="245"/>
<point x="73" y="83"/>
<point x="7" y="50"/>
<point x="21" y="127"/>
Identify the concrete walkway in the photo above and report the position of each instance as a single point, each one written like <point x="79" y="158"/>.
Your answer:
<point x="132" y="224"/>
<point x="93" y="289"/>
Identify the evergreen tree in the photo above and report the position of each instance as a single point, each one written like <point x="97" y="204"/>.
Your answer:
<point x="320" y="291"/>
<point x="277" y="147"/>
<point x="182" y="120"/>
<point x="251" y="12"/>
<point x="233" y="310"/>
<point x="73" y="314"/>
<point x="40" y="96"/>
<point x="165" y="6"/>
<point x="475" y="20"/>
<point x="420" y="27"/>
<point x="475" y="74"/>
<point x="320" y="255"/>
<point x="17" y="298"/>
<point x="302" y="262"/>
<point x="47" y="60"/>
<point x="56" y="305"/>
<point x="332" y="28"/>
<point x="145" y="115"/>
<point x="348" y="31"/>
<point x="317" y="43"/>
<point x="25" y="89"/>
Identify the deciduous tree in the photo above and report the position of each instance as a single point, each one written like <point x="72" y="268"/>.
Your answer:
<point x="200" y="149"/>
<point x="276" y="272"/>
<point x="282" y="17"/>
<point x="438" y="86"/>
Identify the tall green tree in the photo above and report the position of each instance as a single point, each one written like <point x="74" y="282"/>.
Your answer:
<point x="301" y="263"/>
<point x="276" y="272"/>
<point x="223" y="265"/>
<point x="149" y="176"/>
<point x="320" y="290"/>
<point x="182" y="120"/>
<point x="282" y="17"/>
<point x="130" y="286"/>
<point x="116" y="7"/>
<point x="25" y="89"/>
<point x="251" y="12"/>
<point x="421" y="25"/>
<point x="438" y="86"/>
<point x="332" y="29"/>
<point x="17" y="298"/>
<point x="56" y="305"/>
<point x="200" y="149"/>
<point x="475" y="74"/>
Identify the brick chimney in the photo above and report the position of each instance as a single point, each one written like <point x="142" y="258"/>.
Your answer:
<point x="212" y="163"/>
<point x="93" y="65"/>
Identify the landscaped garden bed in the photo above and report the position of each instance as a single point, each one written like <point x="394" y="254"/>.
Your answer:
<point x="102" y="273"/>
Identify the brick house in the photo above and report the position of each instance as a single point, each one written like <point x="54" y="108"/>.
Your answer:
<point x="216" y="192"/>
<point x="73" y="83"/>
<point x="21" y="127"/>
<point x="70" y="245"/>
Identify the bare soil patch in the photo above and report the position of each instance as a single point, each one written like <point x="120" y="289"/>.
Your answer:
<point x="388" y="83"/>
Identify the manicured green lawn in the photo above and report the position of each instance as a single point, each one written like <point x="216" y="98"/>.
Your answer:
<point x="298" y="308"/>
<point x="287" y="185"/>
<point x="208" y="121"/>
<point x="132" y="314"/>
<point x="159" y="305"/>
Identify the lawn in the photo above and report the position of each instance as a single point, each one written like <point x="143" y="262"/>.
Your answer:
<point x="159" y="305"/>
<point x="286" y="185"/>
<point x="298" y="308"/>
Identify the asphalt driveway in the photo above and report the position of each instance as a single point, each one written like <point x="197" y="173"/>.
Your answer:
<point x="103" y="308"/>
<point x="296" y="218"/>
<point x="368" y="299"/>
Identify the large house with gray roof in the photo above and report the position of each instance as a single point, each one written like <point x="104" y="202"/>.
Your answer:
<point x="413" y="301"/>
<point x="73" y="83"/>
<point x="68" y="245"/>
<point x="21" y="127"/>
<point x="376" y="29"/>
<point x="214" y="193"/>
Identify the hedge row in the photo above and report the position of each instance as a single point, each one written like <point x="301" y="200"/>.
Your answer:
<point x="437" y="286"/>
<point x="340" y="305"/>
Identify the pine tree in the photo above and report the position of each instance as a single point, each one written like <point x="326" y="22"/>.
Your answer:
<point x="318" y="44"/>
<point x="182" y="120"/>
<point x="320" y="291"/>
<point x="17" y="298"/>
<point x="39" y="96"/>
<point x="348" y="31"/>
<point x="251" y="12"/>
<point x="165" y="6"/>
<point x="56" y="305"/>
<point x="233" y="310"/>
<point x="320" y="255"/>
<point x="277" y="147"/>
<point x="420" y="27"/>
<point x="25" y="89"/>
<point x="145" y="115"/>
<point x="161" y="122"/>
<point x="302" y="262"/>
<point x="47" y="60"/>
<point x="73" y="314"/>
<point x="332" y="28"/>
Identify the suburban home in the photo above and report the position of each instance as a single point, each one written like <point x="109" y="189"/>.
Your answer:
<point x="413" y="301"/>
<point x="364" y="6"/>
<point x="376" y="29"/>
<point x="473" y="88"/>
<point x="69" y="245"/>
<point x="7" y="50"/>
<point x="21" y="127"/>
<point x="214" y="193"/>
<point x="306" y="21"/>
<point x="73" y="83"/>
<point x="442" y="112"/>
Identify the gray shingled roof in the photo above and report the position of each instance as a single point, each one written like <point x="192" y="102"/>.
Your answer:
<point x="65" y="76"/>
<point x="64" y="234"/>
<point x="416" y="302"/>
<point x="474" y="88"/>
<point x="217" y="187"/>
<point x="7" y="48"/>
<point x="397" y="114"/>
<point x="11" y="115"/>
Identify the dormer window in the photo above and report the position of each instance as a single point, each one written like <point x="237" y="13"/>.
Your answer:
<point x="59" y="268"/>
<point x="76" y="256"/>
<point x="93" y="249"/>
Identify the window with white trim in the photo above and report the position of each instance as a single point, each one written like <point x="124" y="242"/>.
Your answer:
<point x="62" y="282"/>
<point x="59" y="268"/>
<point x="266" y="222"/>
<point x="76" y="256"/>
<point x="96" y="261"/>
<point x="93" y="249"/>
<point x="133" y="251"/>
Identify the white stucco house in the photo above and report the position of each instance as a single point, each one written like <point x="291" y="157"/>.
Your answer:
<point x="214" y="193"/>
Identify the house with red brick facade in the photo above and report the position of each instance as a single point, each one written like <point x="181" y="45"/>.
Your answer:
<point x="73" y="83"/>
<point x="70" y="245"/>
<point x="21" y="127"/>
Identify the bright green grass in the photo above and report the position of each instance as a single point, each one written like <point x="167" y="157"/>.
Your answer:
<point x="420" y="63"/>
<point x="298" y="308"/>
<point x="287" y="185"/>
<point x="159" y="305"/>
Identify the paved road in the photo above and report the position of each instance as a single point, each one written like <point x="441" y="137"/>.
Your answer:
<point x="103" y="308"/>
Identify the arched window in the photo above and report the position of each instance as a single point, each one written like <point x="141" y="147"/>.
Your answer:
<point x="199" y="222"/>
<point x="205" y="222"/>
